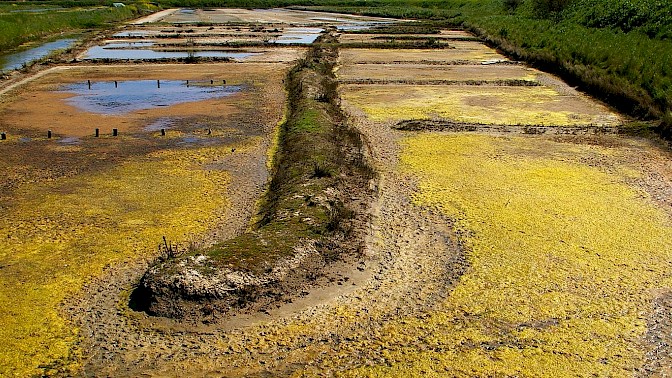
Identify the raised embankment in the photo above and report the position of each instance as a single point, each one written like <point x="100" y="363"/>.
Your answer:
<point x="311" y="216"/>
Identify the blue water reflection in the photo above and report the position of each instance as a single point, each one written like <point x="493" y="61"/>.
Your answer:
<point x="128" y="96"/>
<point x="17" y="60"/>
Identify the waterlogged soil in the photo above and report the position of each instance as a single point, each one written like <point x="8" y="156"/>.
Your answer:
<point x="310" y="336"/>
<point x="402" y="311"/>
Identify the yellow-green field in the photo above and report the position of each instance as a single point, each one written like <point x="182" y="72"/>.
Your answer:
<point x="447" y="36"/>
<point x="478" y="53"/>
<point x="419" y="72"/>
<point x="481" y="104"/>
<point x="564" y="256"/>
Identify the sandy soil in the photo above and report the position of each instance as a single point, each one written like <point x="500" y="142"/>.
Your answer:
<point x="155" y="17"/>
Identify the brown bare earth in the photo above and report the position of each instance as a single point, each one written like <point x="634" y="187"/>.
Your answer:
<point x="269" y="16"/>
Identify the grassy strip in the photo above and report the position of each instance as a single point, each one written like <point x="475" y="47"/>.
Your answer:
<point x="318" y="166"/>
<point x="307" y="165"/>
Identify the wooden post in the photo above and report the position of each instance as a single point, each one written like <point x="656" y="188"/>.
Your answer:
<point x="97" y="133"/>
<point x="163" y="132"/>
<point x="187" y="83"/>
<point x="89" y="82"/>
<point x="212" y="81"/>
<point x="223" y="81"/>
<point x="49" y="134"/>
<point x="3" y="136"/>
<point x="158" y="83"/>
<point x="209" y="131"/>
<point x="116" y="85"/>
<point x="115" y="132"/>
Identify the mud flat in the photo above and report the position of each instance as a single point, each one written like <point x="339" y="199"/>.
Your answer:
<point x="429" y="74"/>
<point x="503" y="105"/>
<point x="533" y="216"/>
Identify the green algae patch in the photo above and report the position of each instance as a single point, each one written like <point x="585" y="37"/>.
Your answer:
<point x="564" y="257"/>
<point x="58" y="235"/>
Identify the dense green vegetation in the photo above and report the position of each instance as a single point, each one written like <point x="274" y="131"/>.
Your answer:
<point x="20" y="23"/>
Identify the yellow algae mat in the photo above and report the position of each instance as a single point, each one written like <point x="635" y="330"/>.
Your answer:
<point x="499" y="105"/>
<point x="419" y="72"/>
<point x="58" y="235"/>
<point x="478" y="53"/>
<point x="565" y="256"/>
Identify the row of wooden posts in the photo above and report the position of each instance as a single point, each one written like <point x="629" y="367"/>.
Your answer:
<point x="115" y="132"/>
<point x="158" y="83"/>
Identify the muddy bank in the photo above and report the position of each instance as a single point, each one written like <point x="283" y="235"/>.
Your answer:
<point x="449" y="126"/>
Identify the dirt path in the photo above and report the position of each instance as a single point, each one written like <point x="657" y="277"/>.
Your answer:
<point x="155" y="17"/>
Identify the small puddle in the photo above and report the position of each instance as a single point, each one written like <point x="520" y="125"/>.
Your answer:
<point x="128" y="96"/>
<point x="192" y="140"/>
<point x="142" y="51"/>
<point x="131" y="34"/>
<point x="303" y="36"/>
<point x="161" y="123"/>
<point x="19" y="59"/>
<point x="69" y="141"/>
<point x="359" y="25"/>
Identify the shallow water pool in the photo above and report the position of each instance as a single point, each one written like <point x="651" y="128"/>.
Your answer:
<point x="128" y="96"/>
<point x="143" y="51"/>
